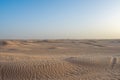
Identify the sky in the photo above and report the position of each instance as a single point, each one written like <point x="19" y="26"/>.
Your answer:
<point x="59" y="19"/>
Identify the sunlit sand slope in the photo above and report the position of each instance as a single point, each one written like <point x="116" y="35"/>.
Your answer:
<point x="24" y="67"/>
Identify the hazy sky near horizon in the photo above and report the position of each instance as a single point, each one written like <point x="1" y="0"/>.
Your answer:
<point x="59" y="19"/>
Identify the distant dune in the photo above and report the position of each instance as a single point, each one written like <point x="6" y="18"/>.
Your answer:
<point x="59" y="60"/>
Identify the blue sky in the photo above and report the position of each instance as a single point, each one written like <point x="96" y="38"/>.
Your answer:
<point x="59" y="19"/>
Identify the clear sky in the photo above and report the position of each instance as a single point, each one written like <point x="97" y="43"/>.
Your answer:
<point x="59" y="19"/>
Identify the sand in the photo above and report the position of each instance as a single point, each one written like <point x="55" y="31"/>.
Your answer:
<point x="59" y="59"/>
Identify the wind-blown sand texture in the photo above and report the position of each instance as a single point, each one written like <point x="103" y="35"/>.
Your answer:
<point x="60" y="60"/>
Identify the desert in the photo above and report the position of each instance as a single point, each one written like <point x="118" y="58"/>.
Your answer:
<point x="60" y="59"/>
<point x="59" y="39"/>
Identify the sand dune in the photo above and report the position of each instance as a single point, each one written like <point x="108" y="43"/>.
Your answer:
<point x="60" y="60"/>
